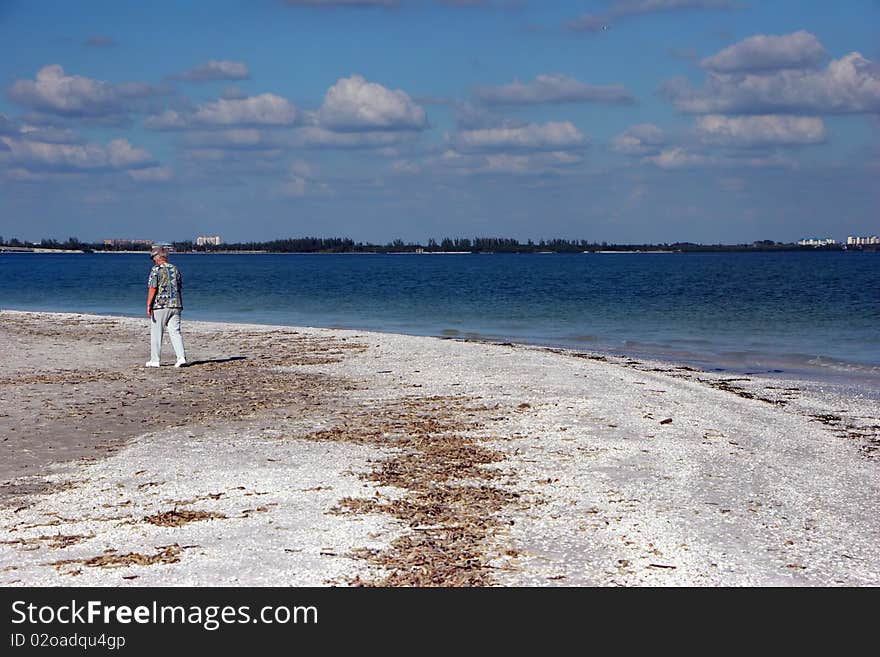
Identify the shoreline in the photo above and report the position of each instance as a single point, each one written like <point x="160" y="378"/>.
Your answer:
<point x="290" y="455"/>
<point x="851" y="376"/>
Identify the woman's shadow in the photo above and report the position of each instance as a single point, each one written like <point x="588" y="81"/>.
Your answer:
<point x="205" y="361"/>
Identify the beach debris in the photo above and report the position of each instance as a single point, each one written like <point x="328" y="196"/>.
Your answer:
<point x="54" y="541"/>
<point x="666" y="421"/>
<point x="165" y="554"/>
<point x="451" y="509"/>
<point x="178" y="518"/>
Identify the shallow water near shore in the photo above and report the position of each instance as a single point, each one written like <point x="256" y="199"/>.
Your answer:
<point x="807" y="314"/>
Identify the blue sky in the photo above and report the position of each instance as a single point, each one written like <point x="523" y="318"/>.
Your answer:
<point x="607" y="120"/>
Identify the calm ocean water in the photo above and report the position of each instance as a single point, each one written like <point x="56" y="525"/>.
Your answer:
<point x="796" y="312"/>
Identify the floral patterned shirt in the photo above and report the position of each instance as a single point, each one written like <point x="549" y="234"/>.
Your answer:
<point x="168" y="282"/>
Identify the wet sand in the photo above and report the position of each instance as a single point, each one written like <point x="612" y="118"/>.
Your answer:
<point x="296" y="456"/>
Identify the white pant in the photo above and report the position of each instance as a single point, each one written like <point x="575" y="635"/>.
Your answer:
<point x="166" y="318"/>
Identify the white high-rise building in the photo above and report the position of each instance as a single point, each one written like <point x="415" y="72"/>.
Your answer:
<point x="208" y="240"/>
<point x="815" y="241"/>
<point x="861" y="241"/>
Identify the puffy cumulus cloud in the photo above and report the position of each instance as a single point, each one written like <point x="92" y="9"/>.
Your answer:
<point x="553" y="88"/>
<point x="354" y="104"/>
<point x="766" y="53"/>
<point x="621" y="9"/>
<point x="850" y="84"/>
<point x="317" y="137"/>
<point x="118" y="154"/>
<point x="641" y="139"/>
<point x="55" y="92"/>
<point x="150" y="175"/>
<point x="215" y="70"/>
<point x="265" y="109"/>
<point x="553" y="136"/>
<point x="772" y="130"/>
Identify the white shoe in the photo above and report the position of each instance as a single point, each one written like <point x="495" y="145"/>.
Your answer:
<point x="181" y="362"/>
<point x="151" y="363"/>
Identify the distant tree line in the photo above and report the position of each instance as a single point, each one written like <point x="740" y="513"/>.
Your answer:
<point x="446" y="245"/>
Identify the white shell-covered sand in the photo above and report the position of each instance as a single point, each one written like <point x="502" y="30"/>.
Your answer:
<point x="625" y="472"/>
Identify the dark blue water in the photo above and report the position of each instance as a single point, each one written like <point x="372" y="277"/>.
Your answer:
<point x="738" y="311"/>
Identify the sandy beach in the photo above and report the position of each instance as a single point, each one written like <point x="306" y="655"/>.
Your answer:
<point x="287" y="456"/>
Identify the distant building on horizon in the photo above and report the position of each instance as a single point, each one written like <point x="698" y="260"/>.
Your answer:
<point x="815" y="241"/>
<point x="208" y="240"/>
<point x="862" y="241"/>
<point x="116" y="242"/>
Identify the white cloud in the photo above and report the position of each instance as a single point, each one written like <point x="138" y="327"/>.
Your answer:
<point x="215" y="70"/>
<point x="122" y="155"/>
<point x="764" y="53"/>
<point x="553" y="136"/>
<point x="621" y="9"/>
<point x="355" y="114"/>
<point x="118" y="154"/>
<point x="847" y="85"/>
<point x="167" y="120"/>
<point x="354" y="104"/>
<point x="676" y="158"/>
<point x="265" y="109"/>
<point x="641" y="139"/>
<point x="553" y="88"/>
<point x="55" y="92"/>
<point x="772" y="130"/>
